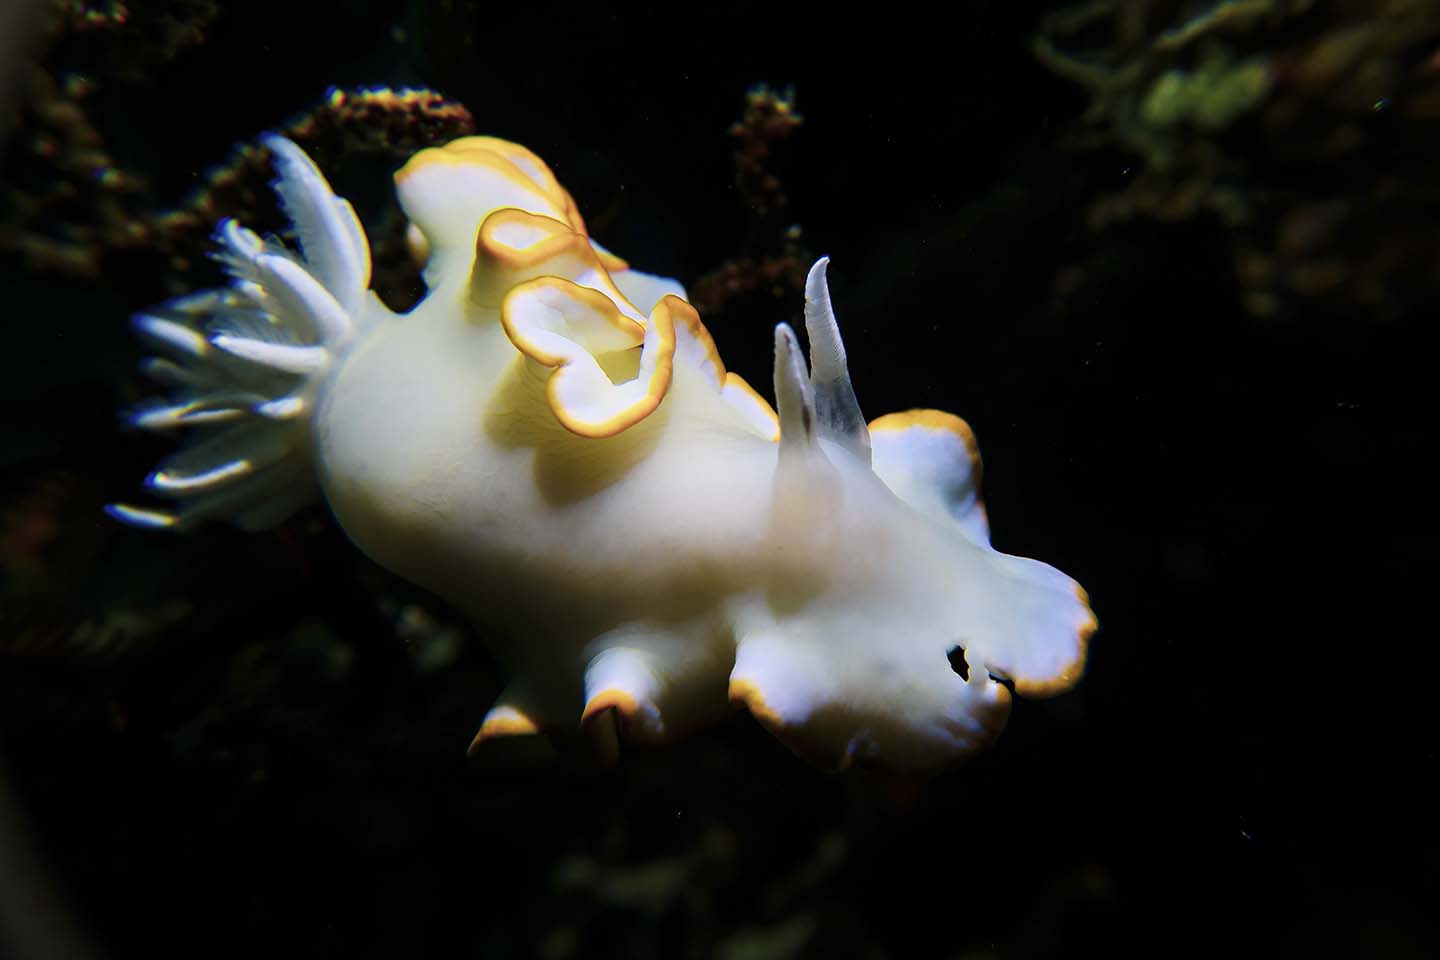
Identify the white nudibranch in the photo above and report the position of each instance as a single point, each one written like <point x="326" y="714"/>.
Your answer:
<point x="550" y="441"/>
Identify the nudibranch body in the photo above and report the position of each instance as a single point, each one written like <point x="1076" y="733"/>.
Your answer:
<point x="550" y="441"/>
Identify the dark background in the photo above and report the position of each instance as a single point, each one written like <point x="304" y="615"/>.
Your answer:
<point x="231" y="745"/>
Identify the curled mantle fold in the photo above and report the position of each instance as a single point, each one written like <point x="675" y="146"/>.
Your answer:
<point x="550" y="441"/>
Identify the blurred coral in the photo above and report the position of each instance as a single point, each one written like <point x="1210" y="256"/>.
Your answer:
<point x="773" y="257"/>
<point x="65" y="201"/>
<point x="68" y="207"/>
<point x="1308" y="131"/>
<point x="346" y="125"/>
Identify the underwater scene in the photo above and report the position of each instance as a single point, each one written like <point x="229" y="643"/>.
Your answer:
<point x="506" y="482"/>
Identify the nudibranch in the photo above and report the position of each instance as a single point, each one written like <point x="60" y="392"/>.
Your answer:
<point x="550" y="442"/>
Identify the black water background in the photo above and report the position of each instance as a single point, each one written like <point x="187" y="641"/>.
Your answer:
<point x="1247" y="765"/>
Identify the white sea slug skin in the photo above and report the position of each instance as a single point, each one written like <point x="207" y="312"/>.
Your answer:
<point x="551" y="442"/>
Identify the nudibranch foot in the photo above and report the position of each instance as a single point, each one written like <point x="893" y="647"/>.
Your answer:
<point x="624" y="680"/>
<point x="504" y="719"/>
<point x="550" y="441"/>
